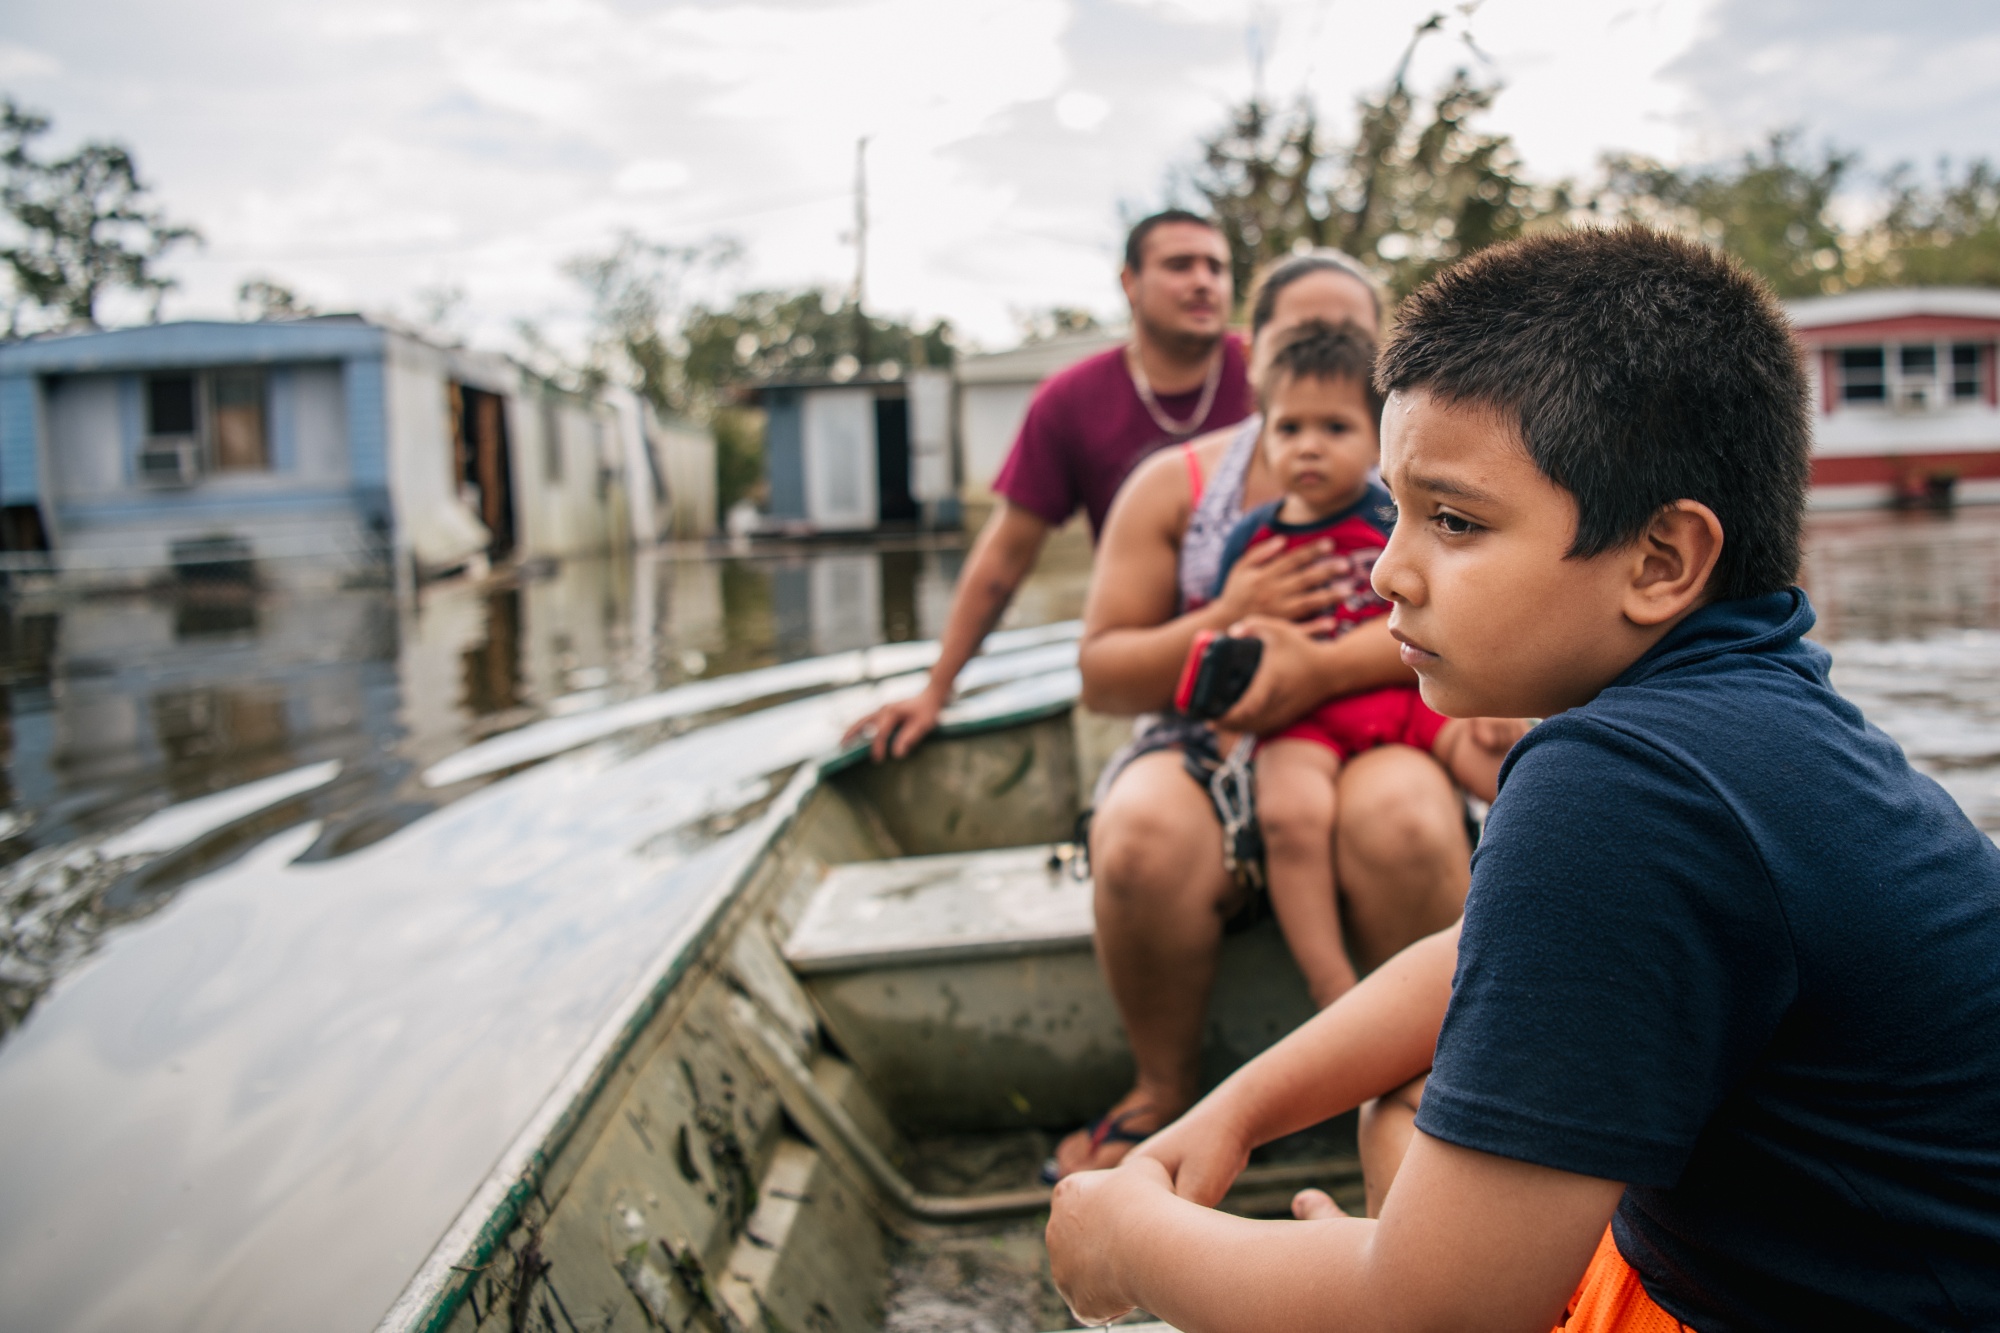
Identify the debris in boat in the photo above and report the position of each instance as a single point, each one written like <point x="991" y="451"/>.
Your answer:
<point x="992" y="1283"/>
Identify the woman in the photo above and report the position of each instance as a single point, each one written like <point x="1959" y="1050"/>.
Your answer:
<point x="1163" y="891"/>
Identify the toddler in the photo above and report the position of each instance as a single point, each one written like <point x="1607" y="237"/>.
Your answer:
<point x="1322" y="421"/>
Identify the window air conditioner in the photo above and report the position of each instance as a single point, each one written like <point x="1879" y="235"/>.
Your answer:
<point x="169" y="461"/>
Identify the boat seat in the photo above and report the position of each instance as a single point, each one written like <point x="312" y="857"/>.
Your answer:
<point x="964" y="990"/>
<point x="918" y="909"/>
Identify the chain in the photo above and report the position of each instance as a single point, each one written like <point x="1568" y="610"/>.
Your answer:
<point x="1201" y="408"/>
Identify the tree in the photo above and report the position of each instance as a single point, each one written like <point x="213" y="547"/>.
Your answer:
<point x="1771" y="209"/>
<point x="81" y="224"/>
<point x="267" y="298"/>
<point x="803" y="333"/>
<point x="1946" y="234"/>
<point x="1057" y="321"/>
<point x="1417" y="188"/>
<point x="691" y="359"/>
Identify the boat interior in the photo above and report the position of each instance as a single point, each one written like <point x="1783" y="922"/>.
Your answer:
<point x="828" y="1108"/>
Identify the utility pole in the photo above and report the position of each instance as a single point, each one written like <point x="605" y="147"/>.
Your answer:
<point x="861" y="250"/>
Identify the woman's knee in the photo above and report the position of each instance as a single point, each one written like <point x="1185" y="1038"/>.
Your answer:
<point x="1154" y="826"/>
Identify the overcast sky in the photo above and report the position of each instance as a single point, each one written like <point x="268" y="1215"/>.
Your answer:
<point x="367" y="150"/>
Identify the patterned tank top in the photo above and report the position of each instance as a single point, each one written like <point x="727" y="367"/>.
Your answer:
<point x="1217" y="508"/>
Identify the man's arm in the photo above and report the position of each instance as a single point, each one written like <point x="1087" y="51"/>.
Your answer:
<point x="1466" y="1240"/>
<point x="1298" y="672"/>
<point x="1000" y="560"/>
<point x="1375" y="1038"/>
<point x="1133" y="644"/>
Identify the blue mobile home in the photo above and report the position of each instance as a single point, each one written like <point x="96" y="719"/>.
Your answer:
<point x="315" y="448"/>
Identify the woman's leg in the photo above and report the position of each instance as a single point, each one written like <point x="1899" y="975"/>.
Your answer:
<point x="1161" y="896"/>
<point x="1296" y="783"/>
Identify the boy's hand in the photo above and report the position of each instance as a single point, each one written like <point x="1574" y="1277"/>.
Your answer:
<point x="1089" y="1216"/>
<point x="1202" y="1153"/>
<point x="1296" y="585"/>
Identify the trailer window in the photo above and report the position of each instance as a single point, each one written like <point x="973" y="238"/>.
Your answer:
<point x="170" y="405"/>
<point x="1965" y="378"/>
<point x="1861" y="375"/>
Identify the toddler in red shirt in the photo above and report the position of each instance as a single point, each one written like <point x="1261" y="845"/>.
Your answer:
<point x="1322" y="420"/>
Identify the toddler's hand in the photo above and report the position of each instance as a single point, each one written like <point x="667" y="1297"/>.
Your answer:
<point x="1496" y="735"/>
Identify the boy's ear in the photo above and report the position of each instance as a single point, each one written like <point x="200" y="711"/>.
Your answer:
<point x="1671" y="563"/>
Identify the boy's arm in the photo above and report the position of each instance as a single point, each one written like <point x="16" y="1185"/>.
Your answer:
<point x="1466" y="1240"/>
<point x="1133" y="644"/>
<point x="1373" y="1039"/>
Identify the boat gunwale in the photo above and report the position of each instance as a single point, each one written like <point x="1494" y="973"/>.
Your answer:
<point x="440" y="1284"/>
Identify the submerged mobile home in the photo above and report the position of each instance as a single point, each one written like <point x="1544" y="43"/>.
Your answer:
<point x="1906" y="402"/>
<point x="859" y="455"/>
<point x="309" y="449"/>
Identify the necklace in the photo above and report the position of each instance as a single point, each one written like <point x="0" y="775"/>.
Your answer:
<point x="1159" y="415"/>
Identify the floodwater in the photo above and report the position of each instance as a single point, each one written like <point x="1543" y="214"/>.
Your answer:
<point x="311" y="900"/>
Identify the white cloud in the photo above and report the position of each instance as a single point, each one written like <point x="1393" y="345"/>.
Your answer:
<point x="650" y="175"/>
<point x="1080" y="111"/>
<point x="364" y="150"/>
<point x="24" y="62"/>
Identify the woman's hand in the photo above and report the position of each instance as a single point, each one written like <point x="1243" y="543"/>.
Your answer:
<point x="1089" y="1217"/>
<point x="1301" y="584"/>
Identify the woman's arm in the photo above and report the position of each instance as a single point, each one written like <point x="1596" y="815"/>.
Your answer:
<point x="1133" y="644"/>
<point x="1298" y="672"/>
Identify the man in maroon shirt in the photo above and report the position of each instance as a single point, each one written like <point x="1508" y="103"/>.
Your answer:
<point x="1180" y="374"/>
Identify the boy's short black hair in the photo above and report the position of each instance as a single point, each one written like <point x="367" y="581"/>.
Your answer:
<point x="1640" y="369"/>
<point x="1135" y="239"/>
<point x="1317" y="350"/>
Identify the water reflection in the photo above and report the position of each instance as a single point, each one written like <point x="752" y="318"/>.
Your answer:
<point x="115" y="707"/>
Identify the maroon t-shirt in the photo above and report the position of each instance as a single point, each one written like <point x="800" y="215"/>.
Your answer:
<point x="1087" y="429"/>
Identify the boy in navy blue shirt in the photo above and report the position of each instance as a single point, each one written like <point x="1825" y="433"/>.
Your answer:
<point x="1718" y="1044"/>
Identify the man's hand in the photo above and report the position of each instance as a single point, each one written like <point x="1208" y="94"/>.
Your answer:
<point x="1301" y="584"/>
<point x="1202" y="1153"/>
<point x="895" y="729"/>
<point x="1090" y="1216"/>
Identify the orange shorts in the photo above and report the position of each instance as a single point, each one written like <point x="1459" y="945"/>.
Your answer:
<point x="1610" y="1299"/>
<point x="1355" y="723"/>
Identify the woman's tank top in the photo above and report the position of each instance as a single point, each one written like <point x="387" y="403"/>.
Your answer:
<point x="1218" y="506"/>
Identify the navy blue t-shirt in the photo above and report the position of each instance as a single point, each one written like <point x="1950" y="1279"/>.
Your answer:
<point x="1724" y="945"/>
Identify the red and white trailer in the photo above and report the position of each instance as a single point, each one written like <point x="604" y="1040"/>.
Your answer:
<point x="1906" y="397"/>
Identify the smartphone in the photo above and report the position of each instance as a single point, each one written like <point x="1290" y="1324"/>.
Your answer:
<point x="1218" y="669"/>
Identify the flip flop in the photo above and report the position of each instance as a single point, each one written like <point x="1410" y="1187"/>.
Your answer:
<point x="1107" y="1128"/>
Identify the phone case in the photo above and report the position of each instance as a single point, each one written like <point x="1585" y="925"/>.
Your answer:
<point x="1218" y="669"/>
